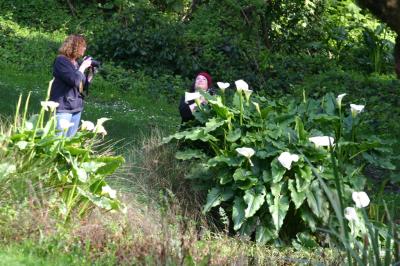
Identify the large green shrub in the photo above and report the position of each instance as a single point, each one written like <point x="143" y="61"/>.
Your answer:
<point x="242" y="147"/>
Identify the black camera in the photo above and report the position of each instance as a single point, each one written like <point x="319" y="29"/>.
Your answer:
<point x="95" y="63"/>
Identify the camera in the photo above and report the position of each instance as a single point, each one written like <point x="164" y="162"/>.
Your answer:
<point x="94" y="64"/>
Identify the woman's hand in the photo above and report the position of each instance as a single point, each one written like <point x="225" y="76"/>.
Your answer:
<point x="85" y="64"/>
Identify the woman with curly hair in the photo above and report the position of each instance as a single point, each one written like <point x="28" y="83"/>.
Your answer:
<point x="69" y="80"/>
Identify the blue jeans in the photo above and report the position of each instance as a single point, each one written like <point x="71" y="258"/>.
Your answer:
<point x="73" y="118"/>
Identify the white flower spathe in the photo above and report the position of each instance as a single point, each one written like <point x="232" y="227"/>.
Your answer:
<point x="99" y="129"/>
<point x="223" y="85"/>
<point x="350" y="214"/>
<point x="87" y="125"/>
<point x="246" y="152"/>
<point x="108" y="190"/>
<point x="100" y="121"/>
<point x="190" y="96"/>
<point x="322" y="140"/>
<point x="247" y="94"/>
<point x="65" y="124"/>
<point x="257" y="107"/>
<point x="286" y="159"/>
<point x="355" y="108"/>
<point x="49" y="105"/>
<point x="339" y="98"/>
<point x="241" y="85"/>
<point x="361" y="199"/>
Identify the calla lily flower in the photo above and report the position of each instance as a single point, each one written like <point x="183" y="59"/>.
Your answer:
<point x="241" y="85"/>
<point x="286" y="159"/>
<point x="87" y="125"/>
<point x="100" y="121"/>
<point x="247" y="93"/>
<point x="223" y="85"/>
<point x="246" y="152"/>
<point x="99" y="129"/>
<point x="257" y="107"/>
<point x="361" y="199"/>
<point x="65" y="124"/>
<point x="350" y="214"/>
<point x="355" y="109"/>
<point x="322" y="141"/>
<point x="49" y="105"/>
<point x="108" y="190"/>
<point x="190" y="96"/>
<point x="339" y="99"/>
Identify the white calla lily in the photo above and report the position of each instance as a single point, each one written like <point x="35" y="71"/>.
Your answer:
<point x="286" y="159"/>
<point x="361" y="199"/>
<point x="190" y="96"/>
<point x="247" y="94"/>
<point x="87" y="125"/>
<point x="356" y="109"/>
<point x="100" y="121"/>
<point x="65" y="124"/>
<point x="246" y="152"/>
<point x="350" y="214"/>
<point x="99" y="129"/>
<point x="49" y="105"/>
<point x="241" y="85"/>
<point x="323" y="141"/>
<point x="223" y="85"/>
<point x="339" y="99"/>
<point x="108" y="190"/>
<point x="257" y="107"/>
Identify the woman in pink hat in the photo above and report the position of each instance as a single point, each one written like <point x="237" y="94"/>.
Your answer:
<point x="187" y="105"/>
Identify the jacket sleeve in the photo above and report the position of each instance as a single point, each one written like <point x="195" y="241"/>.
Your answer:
<point x="65" y="71"/>
<point x="185" y="111"/>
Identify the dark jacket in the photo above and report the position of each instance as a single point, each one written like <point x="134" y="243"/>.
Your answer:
<point x="184" y="110"/>
<point x="65" y="88"/>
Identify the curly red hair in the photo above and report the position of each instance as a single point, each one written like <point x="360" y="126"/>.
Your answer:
<point x="72" y="46"/>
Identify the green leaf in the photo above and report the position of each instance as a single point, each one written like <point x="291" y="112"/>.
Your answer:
<point x="81" y="174"/>
<point x="215" y="196"/>
<point x="264" y="235"/>
<point x="92" y="166"/>
<point x="222" y="159"/>
<point x="296" y="196"/>
<point x="76" y="150"/>
<point x="213" y="124"/>
<point x="254" y="199"/>
<point x="111" y="164"/>
<point x="238" y="214"/>
<point x="329" y="103"/>
<point x="234" y="135"/>
<point x="317" y="201"/>
<point x="242" y="174"/>
<point x="278" y="207"/>
<point x="301" y="133"/>
<point x="189" y="154"/>
<point x="100" y="201"/>
<point x="307" y="216"/>
<point x="277" y="171"/>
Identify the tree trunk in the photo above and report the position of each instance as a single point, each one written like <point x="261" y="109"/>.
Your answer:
<point x="397" y="56"/>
